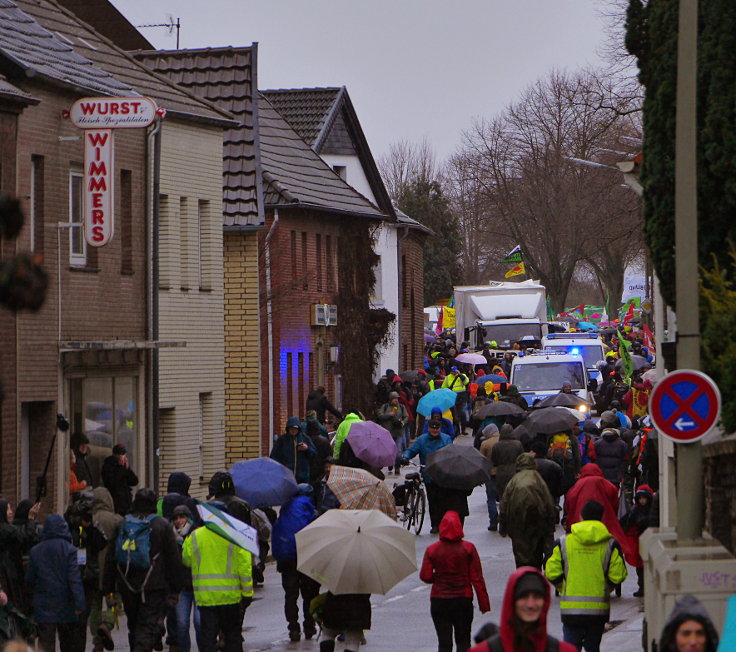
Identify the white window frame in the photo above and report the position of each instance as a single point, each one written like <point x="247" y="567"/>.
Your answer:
<point x="76" y="259"/>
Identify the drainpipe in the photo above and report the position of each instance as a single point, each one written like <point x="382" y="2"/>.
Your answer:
<point x="269" y="324"/>
<point x="400" y="271"/>
<point x="154" y="154"/>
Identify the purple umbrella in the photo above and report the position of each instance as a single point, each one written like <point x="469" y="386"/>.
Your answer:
<point x="429" y="338"/>
<point x="372" y="444"/>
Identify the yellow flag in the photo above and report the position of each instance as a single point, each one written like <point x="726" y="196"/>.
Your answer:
<point x="515" y="271"/>
<point x="448" y="320"/>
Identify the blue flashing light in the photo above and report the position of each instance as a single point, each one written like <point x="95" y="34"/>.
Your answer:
<point x="575" y="351"/>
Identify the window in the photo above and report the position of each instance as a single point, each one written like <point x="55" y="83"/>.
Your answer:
<point x="303" y="378"/>
<point x="318" y="252"/>
<point x="341" y="171"/>
<point x="184" y="242"/>
<point x="305" y="264"/>
<point x="126" y="222"/>
<point x="293" y="259"/>
<point x="77" y="246"/>
<point x="328" y="256"/>
<point x="203" y="213"/>
<point x="166" y="245"/>
<point x="37" y="203"/>
<point x="289" y="385"/>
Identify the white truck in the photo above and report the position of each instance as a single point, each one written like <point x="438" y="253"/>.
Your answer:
<point x="501" y="312"/>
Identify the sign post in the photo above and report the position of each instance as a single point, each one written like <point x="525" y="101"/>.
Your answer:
<point x="99" y="116"/>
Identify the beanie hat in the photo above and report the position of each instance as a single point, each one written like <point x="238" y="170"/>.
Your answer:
<point x="119" y="449"/>
<point x="592" y="511"/>
<point x="78" y="439"/>
<point x="530" y="583"/>
<point x="393" y="395"/>
<point x="182" y="510"/>
<point x="144" y="501"/>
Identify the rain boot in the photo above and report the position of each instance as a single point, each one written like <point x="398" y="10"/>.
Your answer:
<point x="327" y="646"/>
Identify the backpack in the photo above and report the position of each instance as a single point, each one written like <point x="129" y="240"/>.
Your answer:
<point x="495" y="645"/>
<point x="560" y="450"/>
<point x="133" y="544"/>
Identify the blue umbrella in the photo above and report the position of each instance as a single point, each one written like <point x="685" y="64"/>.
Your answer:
<point x="442" y="398"/>
<point x="263" y="482"/>
<point x="491" y="378"/>
<point x="586" y="326"/>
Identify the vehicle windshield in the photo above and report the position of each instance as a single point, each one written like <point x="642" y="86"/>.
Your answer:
<point x="507" y="334"/>
<point x="591" y="354"/>
<point x="548" y="375"/>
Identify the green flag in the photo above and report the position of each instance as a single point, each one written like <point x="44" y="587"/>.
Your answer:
<point x="608" y="304"/>
<point x="627" y="364"/>
<point x="514" y="256"/>
<point x="550" y="312"/>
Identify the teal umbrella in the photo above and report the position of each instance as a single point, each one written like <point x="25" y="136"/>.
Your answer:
<point x="442" y="398"/>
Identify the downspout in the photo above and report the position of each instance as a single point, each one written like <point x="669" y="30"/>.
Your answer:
<point x="400" y="271"/>
<point x="154" y="153"/>
<point x="269" y="324"/>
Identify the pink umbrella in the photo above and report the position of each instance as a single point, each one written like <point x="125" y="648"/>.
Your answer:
<point x="372" y="444"/>
<point x="471" y="358"/>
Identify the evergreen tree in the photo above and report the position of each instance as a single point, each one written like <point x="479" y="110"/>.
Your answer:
<point x="424" y="200"/>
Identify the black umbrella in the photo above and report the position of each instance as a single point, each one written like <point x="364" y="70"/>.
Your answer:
<point x="458" y="467"/>
<point x="550" y="420"/>
<point x="499" y="409"/>
<point x="562" y="400"/>
<point x="409" y="376"/>
<point x="640" y="362"/>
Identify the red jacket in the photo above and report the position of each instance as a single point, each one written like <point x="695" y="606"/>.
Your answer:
<point x="593" y="486"/>
<point x="452" y="566"/>
<point x="538" y="636"/>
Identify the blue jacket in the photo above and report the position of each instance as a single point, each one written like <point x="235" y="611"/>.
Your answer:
<point x="293" y="516"/>
<point x="447" y="427"/>
<point x="423" y="446"/>
<point x="54" y="574"/>
<point x="284" y="451"/>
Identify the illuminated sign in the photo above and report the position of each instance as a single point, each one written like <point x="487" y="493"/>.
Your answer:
<point x="113" y="112"/>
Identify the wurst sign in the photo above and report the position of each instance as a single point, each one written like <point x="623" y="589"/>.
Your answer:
<point x="98" y="116"/>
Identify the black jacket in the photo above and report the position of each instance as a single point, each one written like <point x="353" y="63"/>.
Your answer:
<point x="318" y="402"/>
<point x="118" y="480"/>
<point x="551" y="473"/>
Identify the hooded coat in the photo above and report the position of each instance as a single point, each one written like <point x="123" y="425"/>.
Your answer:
<point x="636" y="521"/>
<point x="593" y="486"/>
<point x="120" y="481"/>
<point x="610" y="455"/>
<point x="503" y="457"/>
<point x="293" y="516"/>
<point x="452" y="565"/>
<point x="177" y="493"/>
<point x="510" y="632"/>
<point x="285" y="451"/>
<point x="527" y="507"/>
<point x="54" y="574"/>
<point x="342" y="432"/>
<point x="14" y="541"/>
<point x="688" y="607"/>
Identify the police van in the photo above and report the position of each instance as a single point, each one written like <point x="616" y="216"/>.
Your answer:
<point x="588" y="345"/>
<point x="542" y="374"/>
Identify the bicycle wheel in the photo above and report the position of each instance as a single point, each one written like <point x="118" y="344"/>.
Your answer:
<point x="420" y="507"/>
<point x="409" y="509"/>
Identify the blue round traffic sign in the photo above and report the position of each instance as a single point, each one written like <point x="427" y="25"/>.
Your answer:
<point x="685" y="405"/>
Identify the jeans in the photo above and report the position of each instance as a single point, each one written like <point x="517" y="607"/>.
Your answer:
<point x="179" y="619"/>
<point x="491" y="498"/>
<point x="585" y="635"/>
<point x="452" y="616"/>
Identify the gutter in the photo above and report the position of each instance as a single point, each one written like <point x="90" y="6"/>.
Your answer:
<point x="269" y="325"/>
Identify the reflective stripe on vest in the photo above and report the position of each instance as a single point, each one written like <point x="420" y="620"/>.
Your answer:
<point x="214" y="582"/>
<point x="584" y="605"/>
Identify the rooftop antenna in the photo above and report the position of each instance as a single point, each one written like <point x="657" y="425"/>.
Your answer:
<point x="170" y="26"/>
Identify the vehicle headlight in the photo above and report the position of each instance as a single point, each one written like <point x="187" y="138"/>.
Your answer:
<point x="584" y="408"/>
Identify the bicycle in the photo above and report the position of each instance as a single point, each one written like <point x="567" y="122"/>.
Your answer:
<point x="412" y="496"/>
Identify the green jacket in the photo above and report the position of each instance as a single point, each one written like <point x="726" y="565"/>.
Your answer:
<point x="342" y="432"/>
<point x="586" y="564"/>
<point x="527" y="506"/>
<point x="221" y="571"/>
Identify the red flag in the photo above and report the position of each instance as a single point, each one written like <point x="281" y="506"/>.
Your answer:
<point x="438" y="328"/>
<point x="629" y="313"/>
<point x="648" y="339"/>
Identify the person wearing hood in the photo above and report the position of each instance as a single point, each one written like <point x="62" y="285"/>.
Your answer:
<point x="447" y="427"/>
<point x="295" y="450"/>
<point x="550" y="471"/>
<point x="503" y="457"/>
<point x="452" y="566"/>
<point x="317" y="401"/>
<point x="489" y="438"/>
<point x="513" y="396"/>
<point x="393" y="416"/>
<point x="58" y="595"/>
<point x="592" y="485"/>
<point x="688" y="628"/>
<point x="343" y="430"/>
<point x="107" y="522"/>
<point x="610" y="455"/>
<point x="177" y="493"/>
<point x="634" y="522"/>
<point x="584" y="566"/>
<point x="528" y="514"/>
<point x="85" y="468"/>
<point x="119" y="478"/>
<point x="523" y="627"/>
<point x="293" y="517"/>
<point x="15" y="540"/>
<point x="146" y="592"/>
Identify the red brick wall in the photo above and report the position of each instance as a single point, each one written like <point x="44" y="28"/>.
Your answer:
<point x="411" y="326"/>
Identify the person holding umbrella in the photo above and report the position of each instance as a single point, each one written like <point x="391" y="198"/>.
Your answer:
<point x="452" y="566"/>
<point x="423" y="446"/>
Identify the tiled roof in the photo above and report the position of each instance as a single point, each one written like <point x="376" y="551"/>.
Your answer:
<point x="8" y="91"/>
<point x="40" y="37"/>
<point x="307" y="110"/>
<point x="292" y="174"/>
<point x="225" y="77"/>
<point x="404" y="220"/>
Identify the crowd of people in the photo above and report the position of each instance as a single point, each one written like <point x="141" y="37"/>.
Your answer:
<point x="154" y="558"/>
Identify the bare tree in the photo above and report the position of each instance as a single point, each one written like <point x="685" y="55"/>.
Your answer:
<point x="405" y="164"/>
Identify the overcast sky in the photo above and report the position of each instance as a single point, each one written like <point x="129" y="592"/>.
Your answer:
<point x="413" y="68"/>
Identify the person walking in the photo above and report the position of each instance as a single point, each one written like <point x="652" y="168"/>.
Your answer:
<point x="584" y="566"/>
<point x="221" y="488"/>
<point x="294" y="516"/>
<point x="689" y="628"/>
<point x="144" y="564"/>
<point x="58" y="595"/>
<point x="610" y="455"/>
<point x="452" y="566"/>
<point x="119" y="479"/>
<point x="503" y="457"/>
<point x="223" y="587"/>
<point x="394" y="417"/>
<point x="295" y="450"/>
<point x="423" y="446"/>
<point x="524" y="617"/>
<point x="488" y="439"/>
<point x="528" y="513"/>
<point x="348" y="614"/>
<point x="317" y="401"/>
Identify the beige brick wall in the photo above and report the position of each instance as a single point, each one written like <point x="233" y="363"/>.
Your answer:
<point x="192" y="384"/>
<point x="243" y="411"/>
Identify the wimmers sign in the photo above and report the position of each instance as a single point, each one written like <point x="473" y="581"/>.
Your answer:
<point x="99" y="117"/>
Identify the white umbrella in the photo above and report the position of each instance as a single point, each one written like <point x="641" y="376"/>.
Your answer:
<point x="230" y="528"/>
<point x="471" y="358"/>
<point x="356" y="551"/>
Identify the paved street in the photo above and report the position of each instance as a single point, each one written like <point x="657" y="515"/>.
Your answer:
<point x="401" y="618"/>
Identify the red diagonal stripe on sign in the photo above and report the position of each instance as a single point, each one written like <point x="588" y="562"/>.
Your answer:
<point x="684" y="406"/>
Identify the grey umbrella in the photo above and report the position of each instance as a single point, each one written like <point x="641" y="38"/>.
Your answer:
<point x="562" y="400"/>
<point x="640" y="362"/>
